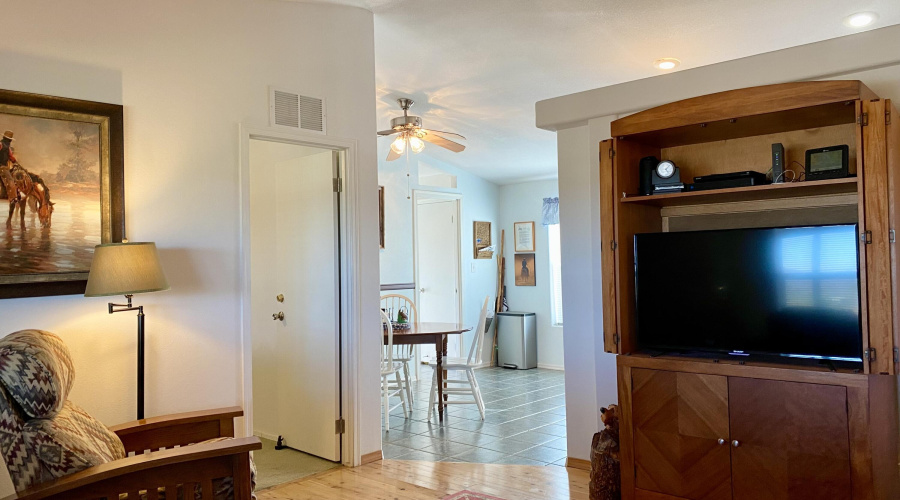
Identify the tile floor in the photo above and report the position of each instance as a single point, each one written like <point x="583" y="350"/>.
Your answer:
<point x="524" y="422"/>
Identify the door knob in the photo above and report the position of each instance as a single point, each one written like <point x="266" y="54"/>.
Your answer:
<point x="721" y="441"/>
<point x="279" y="316"/>
<point x="279" y="298"/>
<point x="421" y="290"/>
<point x="735" y="443"/>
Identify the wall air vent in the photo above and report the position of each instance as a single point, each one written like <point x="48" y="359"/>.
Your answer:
<point x="289" y="109"/>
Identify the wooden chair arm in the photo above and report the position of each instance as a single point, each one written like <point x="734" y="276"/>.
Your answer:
<point x="196" y="464"/>
<point x="177" y="430"/>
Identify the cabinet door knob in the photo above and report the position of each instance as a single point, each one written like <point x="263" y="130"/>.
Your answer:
<point x="735" y="443"/>
<point x="721" y="441"/>
<point x="279" y="316"/>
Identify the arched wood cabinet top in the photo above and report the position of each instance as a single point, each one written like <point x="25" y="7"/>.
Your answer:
<point x="745" y="112"/>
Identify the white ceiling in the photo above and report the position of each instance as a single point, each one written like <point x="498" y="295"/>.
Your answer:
<point x="477" y="67"/>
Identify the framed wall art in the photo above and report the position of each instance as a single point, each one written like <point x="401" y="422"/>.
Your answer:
<point x="525" y="268"/>
<point x="381" y="217"/>
<point x="524" y="234"/>
<point x="481" y="236"/>
<point x="61" y="167"/>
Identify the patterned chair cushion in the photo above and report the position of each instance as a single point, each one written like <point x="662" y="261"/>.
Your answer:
<point x="23" y="466"/>
<point x="37" y="371"/>
<point x="70" y="442"/>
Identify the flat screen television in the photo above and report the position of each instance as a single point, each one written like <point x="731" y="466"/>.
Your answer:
<point x="791" y="292"/>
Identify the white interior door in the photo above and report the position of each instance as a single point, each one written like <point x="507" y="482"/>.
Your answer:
<point x="437" y="277"/>
<point x="295" y="254"/>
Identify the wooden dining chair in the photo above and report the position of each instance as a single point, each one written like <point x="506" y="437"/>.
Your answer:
<point x="390" y="367"/>
<point x="392" y="304"/>
<point x="466" y="365"/>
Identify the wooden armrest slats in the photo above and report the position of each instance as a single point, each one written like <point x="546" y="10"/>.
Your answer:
<point x="198" y="462"/>
<point x="177" y="430"/>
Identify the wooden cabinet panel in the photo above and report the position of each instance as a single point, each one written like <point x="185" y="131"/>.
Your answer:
<point x="677" y="420"/>
<point x="607" y="247"/>
<point x="892" y="130"/>
<point x="793" y="440"/>
<point x="876" y="208"/>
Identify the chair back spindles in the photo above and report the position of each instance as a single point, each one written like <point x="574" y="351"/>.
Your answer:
<point x="475" y="353"/>
<point x="388" y="354"/>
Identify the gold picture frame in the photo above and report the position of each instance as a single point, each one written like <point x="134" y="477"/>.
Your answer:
<point x="523" y="236"/>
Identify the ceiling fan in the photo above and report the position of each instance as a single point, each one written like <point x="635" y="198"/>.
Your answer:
<point x="412" y="134"/>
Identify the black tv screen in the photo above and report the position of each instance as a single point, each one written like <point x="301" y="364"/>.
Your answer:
<point x="776" y="291"/>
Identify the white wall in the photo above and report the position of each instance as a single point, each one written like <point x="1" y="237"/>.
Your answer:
<point x="583" y="120"/>
<point x="523" y="203"/>
<point x="480" y="201"/>
<point x="188" y="73"/>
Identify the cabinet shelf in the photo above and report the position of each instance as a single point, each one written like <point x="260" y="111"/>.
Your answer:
<point x="749" y="193"/>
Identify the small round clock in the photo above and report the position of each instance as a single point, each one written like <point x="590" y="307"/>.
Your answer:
<point x="665" y="169"/>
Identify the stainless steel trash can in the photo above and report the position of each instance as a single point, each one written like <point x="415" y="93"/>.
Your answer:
<point x="516" y="340"/>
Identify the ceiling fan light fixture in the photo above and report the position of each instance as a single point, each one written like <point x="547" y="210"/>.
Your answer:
<point x="399" y="145"/>
<point x="416" y="144"/>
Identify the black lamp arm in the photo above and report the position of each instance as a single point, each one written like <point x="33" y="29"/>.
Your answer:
<point x="114" y="308"/>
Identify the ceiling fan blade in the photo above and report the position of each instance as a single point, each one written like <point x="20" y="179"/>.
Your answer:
<point x="392" y="155"/>
<point x="444" y="133"/>
<point x="388" y="132"/>
<point x="444" y="143"/>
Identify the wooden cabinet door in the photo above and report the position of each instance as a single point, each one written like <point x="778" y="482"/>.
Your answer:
<point x="892" y="129"/>
<point x="875" y="225"/>
<point x="608" y="247"/>
<point x="793" y="441"/>
<point x="678" y="419"/>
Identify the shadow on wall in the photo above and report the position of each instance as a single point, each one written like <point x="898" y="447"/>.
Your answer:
<point x="61" y="78"/>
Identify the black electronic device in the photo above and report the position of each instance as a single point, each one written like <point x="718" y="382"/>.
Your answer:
<point x="777" y="163"/>
<point x="647" y="165"/>
<point x="788" y="292"/>
<point x="729" y="180"/>
<point x="832" y="162"/>
<point x="666" y="178"/>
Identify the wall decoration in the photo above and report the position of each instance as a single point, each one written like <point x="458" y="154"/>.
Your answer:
<point x="481" y="234"/>
<point x="61" y="166"/>
<point x="524" y="265"/>
<point x="381" y="217"/>
<point x="524" y="235"/>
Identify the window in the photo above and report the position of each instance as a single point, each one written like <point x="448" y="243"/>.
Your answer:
<point x="556" y="311"/>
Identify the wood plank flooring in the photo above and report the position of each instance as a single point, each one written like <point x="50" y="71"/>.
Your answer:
<point x="414" y="480"/>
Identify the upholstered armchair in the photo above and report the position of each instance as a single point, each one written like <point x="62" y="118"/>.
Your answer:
<point x="54" y="450"/>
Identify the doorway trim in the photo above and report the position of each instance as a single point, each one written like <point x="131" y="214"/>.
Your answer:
<point x="350" y="316"/>
<point x="423" y="194"/>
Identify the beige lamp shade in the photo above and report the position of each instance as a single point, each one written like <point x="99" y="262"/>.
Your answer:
<point x="125" y="269"/>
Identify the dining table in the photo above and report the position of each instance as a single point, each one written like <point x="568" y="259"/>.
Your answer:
<point x="431" y="333"/>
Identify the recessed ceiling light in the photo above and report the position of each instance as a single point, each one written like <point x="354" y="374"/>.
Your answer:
<point x="666" y="63"/>
<point x="860" y="19"/>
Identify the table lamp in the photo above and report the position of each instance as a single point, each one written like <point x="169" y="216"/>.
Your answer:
<point x="127" y="269"/>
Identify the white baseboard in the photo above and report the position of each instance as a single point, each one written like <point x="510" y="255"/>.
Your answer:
<point x="265" y="435"/>
<point x="551" y="367"/>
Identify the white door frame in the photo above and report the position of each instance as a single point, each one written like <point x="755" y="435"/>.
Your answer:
<point x="422" y="194"/>
<point x="350" y="315"/>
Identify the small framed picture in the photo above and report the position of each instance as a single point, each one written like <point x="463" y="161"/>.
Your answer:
<point x="524" y="234"/>
<point x="525" y="269"/>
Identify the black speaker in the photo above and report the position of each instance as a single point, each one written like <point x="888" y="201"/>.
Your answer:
<point x="777" y="163"/>
<point x="648" y="163"/>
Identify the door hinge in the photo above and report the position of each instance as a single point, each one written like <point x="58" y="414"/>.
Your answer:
<point x="612" y="245"/>
<point x="338" y="184"/>
<point x="887" y="116"/>
<point x="892" y="236"/>
<point x="897" y="355"/>
<point x="340" y="426"/>
<point x="616" y="338"/>
<point x="870" y="354"/>
<point x="863" y="119"/>
<point x="866" y="237"/>
<point x="612" y="153"/>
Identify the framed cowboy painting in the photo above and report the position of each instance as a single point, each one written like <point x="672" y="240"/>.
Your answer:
<point x="61" y="189"/>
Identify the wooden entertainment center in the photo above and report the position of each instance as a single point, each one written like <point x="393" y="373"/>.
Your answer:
<point x="710" y="429"/>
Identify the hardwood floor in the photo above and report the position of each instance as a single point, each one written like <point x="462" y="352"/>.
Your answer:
<point x="413" y="480"/>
